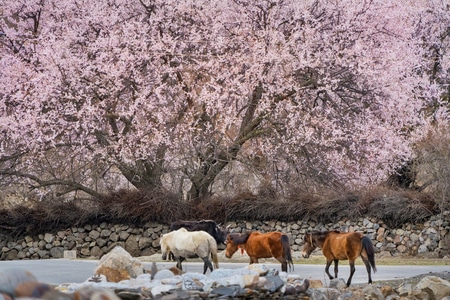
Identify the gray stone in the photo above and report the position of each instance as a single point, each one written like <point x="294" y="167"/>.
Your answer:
<point x="101" y="242"/>
<point x="229" y="291"/>
<point x="132" y="246"/>
<point x="11" y="254"/>
<point x="372" y="292"/>
<point x="57" y="252"/>
<point x="273" y="283"/>
<point x="96" y="251"/>
<point x="323" y="294"/>
<point x="85" y="252"/>
<point x="404" y="289"/>
<point x="105" y="233"/>
<point x="145" y="242"/>
<point x="338" y="283"/>
<point x="94" y="234"/>
<point x="123" y="235"/>
<point x="42" y="244"/>
<point x="422" y="249"/>
<point x="49" y="238"/>
<point x="43" y="254"/>
<point x="114" y="237"/>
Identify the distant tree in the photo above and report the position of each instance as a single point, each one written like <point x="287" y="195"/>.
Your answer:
<point x="433" y="160"/>
<point x="179" y="89"/>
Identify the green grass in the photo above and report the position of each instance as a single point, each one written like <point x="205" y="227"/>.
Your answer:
<point x="388" y="261"/>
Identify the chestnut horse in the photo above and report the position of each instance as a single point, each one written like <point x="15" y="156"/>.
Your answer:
<point x="337" y="246"/>
<point x="261" y="245"/>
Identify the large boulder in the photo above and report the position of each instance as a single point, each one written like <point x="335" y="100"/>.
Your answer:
<point x="435" y="287"/>
<point x="119" y="265"/>
<point x="11" y="278"/>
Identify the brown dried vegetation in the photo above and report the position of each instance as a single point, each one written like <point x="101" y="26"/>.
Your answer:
<point x="394" y="207"/>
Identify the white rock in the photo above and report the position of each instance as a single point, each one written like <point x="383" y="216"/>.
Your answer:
<point x="158" y="290"/>
<point x="119" y="262"/>
<point x="260" y="268"/>
<point x="163" y="274"/>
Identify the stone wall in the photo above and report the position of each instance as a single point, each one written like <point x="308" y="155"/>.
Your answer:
<point x="429" y="239"/>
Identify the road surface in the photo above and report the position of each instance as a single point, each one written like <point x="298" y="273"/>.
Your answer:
<point x="58" y="271"/>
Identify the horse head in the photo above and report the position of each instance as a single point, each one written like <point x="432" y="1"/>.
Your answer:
<point x="233" y="242"/>
<point x="232" y="247"/>
<point x="308" y="246"/>
<point x="222" y="233"/>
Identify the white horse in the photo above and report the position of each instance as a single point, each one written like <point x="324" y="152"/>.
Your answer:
<point x="184" y="244"/>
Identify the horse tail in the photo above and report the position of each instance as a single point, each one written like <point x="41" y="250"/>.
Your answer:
<point x="213" y="248"/>
<point x="370" y="250"/>
<point x="287" y="250"/>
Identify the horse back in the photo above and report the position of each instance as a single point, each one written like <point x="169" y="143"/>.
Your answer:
<point x="264" y="245"/>
<point x="192" y="243"/>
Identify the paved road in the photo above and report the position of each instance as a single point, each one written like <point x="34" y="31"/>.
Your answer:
<point x="57" y="271"/>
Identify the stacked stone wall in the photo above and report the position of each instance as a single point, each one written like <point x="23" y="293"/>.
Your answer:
<point x="429" y="239"/>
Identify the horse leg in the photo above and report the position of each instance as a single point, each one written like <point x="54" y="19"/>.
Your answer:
<point x="366" y="262"/>
<point x="336" y="263"/>
<point x="352" y="271"/>
<point x="327" y="268"/>
<point x="283" y="263"/>
<point x="253" y="260"/>
<point x="179" y="261"/>
<point x="206" y="264"/>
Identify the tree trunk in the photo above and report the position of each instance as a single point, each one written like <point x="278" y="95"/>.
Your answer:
<point x="145" y="174"/>
<point x="213" y="164"/>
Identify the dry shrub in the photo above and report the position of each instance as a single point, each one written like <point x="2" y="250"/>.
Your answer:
<point x="432" y="163"/>
<point x="338" y="208"/>
<point x="398" y="207"/>
<point x="39" y="217"/>
<point x="210" y="208"/>
<point x="394" y="207"/>
<point x="141" y="206"/>
<point x="247" y="206"/>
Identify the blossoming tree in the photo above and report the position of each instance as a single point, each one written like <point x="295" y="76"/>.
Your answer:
<point x="183" y="88"/>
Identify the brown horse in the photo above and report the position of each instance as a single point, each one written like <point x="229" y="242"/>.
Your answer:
<point x="337" y="246"/>
<point x="261" y="245"/>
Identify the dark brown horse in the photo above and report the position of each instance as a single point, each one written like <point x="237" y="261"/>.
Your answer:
<point x="261" y="245"/>
<point x="337" y="246"/>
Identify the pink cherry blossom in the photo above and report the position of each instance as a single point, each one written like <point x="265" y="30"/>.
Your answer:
<point x="183" y="88"/>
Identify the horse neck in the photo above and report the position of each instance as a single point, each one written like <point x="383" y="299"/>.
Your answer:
<point x="241" y="239"/>
<point x="319" y="239"/>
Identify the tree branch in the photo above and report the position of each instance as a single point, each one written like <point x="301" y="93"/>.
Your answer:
<point x="43" y="183"/>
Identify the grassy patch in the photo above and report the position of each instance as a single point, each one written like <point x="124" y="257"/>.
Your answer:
<point x="386" y="261"/>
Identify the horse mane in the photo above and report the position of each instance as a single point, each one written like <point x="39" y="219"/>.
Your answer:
<point x="239" y="238"/>
<point x="321" y="235"/>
